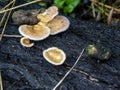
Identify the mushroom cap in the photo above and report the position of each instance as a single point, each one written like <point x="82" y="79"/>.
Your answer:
<point x="58" y="24"/>
<point x="26" y="42"/>
<point x="36" y="32"/>
<point x="48" y="15"/>
<point x="54" y="55"/>
<point x="25" y="17"/>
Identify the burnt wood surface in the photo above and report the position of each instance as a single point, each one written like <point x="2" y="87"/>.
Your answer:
<point x="25" y="68"/>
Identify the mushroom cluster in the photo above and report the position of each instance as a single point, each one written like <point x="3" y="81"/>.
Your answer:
<point x="50" y="23"/>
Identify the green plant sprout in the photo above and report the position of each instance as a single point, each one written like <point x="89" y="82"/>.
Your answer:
<point x="67" y="6"/>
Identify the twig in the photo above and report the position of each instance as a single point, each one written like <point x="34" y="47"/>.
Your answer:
<point x="6" y="21"/>
<point x="22" y="5"/>
<point x="3" y="17"/>
<point x="1" y="86"/>
<point x="68" y="71"/>
<point x="16" y="36"/>
<point x="7" y="5"/>
<point x="1" y="21"/>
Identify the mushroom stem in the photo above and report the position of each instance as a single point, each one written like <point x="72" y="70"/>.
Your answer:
<point x="22" y="5"/>
<point x="16" y="36"/>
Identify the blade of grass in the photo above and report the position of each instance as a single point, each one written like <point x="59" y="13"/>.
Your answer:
<point x="93" y="10"/>
<point x="68" y="71"/>
<point x="6" y="21"/>
<point x="109" y="18"/>
<point x="22" y="5"/>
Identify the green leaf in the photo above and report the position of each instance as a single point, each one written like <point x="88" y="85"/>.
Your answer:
<point x="73" y="2"/>
<point x="66" y="5"/>
<point x="68" y="9"/>
<point x="59" y="3"/>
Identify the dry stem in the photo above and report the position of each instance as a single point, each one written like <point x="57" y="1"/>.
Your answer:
<point x="6" y="21"/>
<point x="107" y="6"/>
<point x="5" y="12"/>
<point x="22" y="5"/>
<point x="7" y="5"/>
<point x="3" y="17"/>
<point x="68" y="71"/>
<point x="1" y="86"/>
<point x="15" y="36"/>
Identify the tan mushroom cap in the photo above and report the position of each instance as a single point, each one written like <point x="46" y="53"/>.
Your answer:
<point x="36" y="32"/>
<point x="26" y="42"/>
<point x="58" y="24"/>
<point x="48" y="15"/>
<point x="54" y="55"/>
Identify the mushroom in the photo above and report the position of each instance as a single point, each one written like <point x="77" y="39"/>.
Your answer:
<point x="54" y="55"/>
<point x="58" y="24"/>
<point x="48" y="15"/>
<point x="26" y="42"/>
<point x="36" y="32"/>
<point x="25" y="17"/>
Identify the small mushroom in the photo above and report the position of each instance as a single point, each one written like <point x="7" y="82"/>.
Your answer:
<point x="54" y="55"/>
<point x="26" y="42"/>
<point x="48" y="15"/>
<point x="25" y="17"/>
<point x="36" y="32"/>
<point x="58" y="24"/>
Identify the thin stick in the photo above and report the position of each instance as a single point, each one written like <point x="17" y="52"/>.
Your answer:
<point x="22" y="5"/>
<point x="5" y="12"/>
<point x="16" y="36"/>
<point x="3" y="17"/>
<point x="68" y="71"/>
<point x="7" y="5"/>
<point x="1" y="86"/>
<point x="6" y="22"/>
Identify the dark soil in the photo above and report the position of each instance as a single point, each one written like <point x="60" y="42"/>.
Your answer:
<point x="26" y="69"/>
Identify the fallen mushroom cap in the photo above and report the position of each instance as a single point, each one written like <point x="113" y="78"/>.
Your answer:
<point x="26" y="42"/>
<point x="54" y="55"/>
<point x="36" y="32"/>
<point x="25" y="17"/>
<point x="58" y="24"/>
<point x="48" y="15"/>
